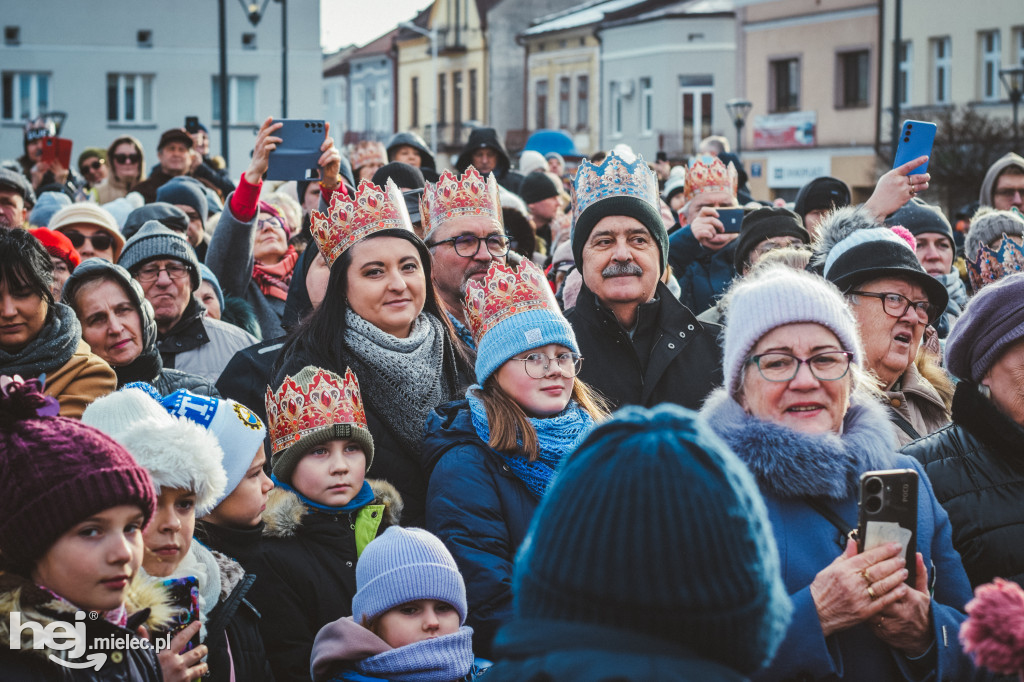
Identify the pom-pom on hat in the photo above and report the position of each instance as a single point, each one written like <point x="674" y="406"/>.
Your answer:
<point x="510" y="311"/>
<point x="403" y="565"/>
<point x="993" y="633"/>
<point x="237" y="429"/>
<point x="703" y="573"/>
<point x="176" y="452"/>
<point x="56" y="472"/>
<point x="312" y="408"/>
<point x="992" y="321"/>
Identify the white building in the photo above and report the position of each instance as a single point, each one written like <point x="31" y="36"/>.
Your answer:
<point x="121" y="67"/>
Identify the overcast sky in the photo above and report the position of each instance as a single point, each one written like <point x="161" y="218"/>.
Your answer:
<point x="343" y="22"/>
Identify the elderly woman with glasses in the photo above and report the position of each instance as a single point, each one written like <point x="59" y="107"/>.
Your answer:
<point x="797" y="407"/>
<point x="127" y="169"/>
<point x="894" y="301"/>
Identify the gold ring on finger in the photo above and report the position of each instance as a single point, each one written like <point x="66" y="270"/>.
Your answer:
<point x="867" y="578"/>
<point x="871" y="593"/>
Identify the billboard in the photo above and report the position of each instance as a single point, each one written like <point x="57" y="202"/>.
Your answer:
<point x="785" y="131"/>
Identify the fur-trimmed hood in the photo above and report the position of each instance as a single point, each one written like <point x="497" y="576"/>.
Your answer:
<point x="837" y="226"/>
<point x="790" y="464"/>
<point x="285" y="510"/>
<point x="19" y="594"/>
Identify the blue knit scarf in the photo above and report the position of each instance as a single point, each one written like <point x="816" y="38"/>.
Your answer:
<point x="363" y="497"/>
<point x="556" y="437"/>
<point x="442" y="659"/>
<point x="462" y="331"/>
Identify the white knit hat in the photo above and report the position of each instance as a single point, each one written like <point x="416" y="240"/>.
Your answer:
<point x="176" y="452"/>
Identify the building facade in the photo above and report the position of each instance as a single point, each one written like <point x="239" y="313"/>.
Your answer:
<point x="371" y="83"/>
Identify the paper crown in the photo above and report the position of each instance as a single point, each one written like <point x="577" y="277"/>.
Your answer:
<point x="298" y="409"/>
<point x="613" y="178"/>
<point x="992" y="265"/>
<point x="709" y="174"/>
<point x="505" y="292"/>
<point x="453" y="197"/>
<point x="365" y="152"/>
<point x="347" y="221"/>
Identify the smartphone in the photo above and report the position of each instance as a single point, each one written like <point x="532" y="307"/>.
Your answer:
<point x="192" y="124"/>
<point x="297" y="155"/>
<point x="732" y="218"/>
<point x="57" y="149"/>
<point x="915" y="140"/>
<point x="184" y="599"/>
<point x="887" y="512"/>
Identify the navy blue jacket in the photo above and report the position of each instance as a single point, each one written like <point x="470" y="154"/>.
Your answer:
<point x="481" y="512"/>
<point x="702" y="275"/>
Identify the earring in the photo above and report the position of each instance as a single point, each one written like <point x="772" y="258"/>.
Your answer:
<point x="985" y="391"/>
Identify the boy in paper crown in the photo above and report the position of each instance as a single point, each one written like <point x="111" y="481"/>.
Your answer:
<point x="321" y="515"/>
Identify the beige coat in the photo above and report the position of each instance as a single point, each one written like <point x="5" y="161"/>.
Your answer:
<point x="81" y="380"/>
<point x="920" y="402"/>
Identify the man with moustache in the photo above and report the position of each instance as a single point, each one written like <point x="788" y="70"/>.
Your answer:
<point x="640" y="345"/>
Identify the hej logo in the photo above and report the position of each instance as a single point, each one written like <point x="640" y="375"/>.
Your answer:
<point x="58" y="636"/>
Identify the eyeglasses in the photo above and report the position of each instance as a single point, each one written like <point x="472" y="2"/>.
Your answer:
<point x="100" y="242"/>
<point x="896" y="305"/>
<point x="537" y="364"/>
<point x="271" y="222"/>
<point x="127" y="158"/>
<point x="151" y="272"/>
<point x="468" y="245"/>
<point x="94" y="166"/>
<point x="828" y="366"/>
<point x="770" y="245"/>
<point x="1009" y="192"/>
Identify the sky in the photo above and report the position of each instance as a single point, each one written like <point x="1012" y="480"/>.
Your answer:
<point x="343" y="22"/>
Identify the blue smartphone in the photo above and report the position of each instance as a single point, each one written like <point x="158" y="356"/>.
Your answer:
<point x="297" y="155"/>
<point x="915" y="140"/>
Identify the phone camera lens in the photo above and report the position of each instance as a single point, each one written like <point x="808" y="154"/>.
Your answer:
<point x="306" y="124"/>
<point x="873" y="486"/>
<point x="873" y="504"/>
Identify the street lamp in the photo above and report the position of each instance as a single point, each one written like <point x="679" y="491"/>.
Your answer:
<point x="738" y="110"/>
<point x="1013" y="81"/>
<point x="432" y="36"/>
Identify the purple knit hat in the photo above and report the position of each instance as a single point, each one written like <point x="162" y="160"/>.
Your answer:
<point x="991" y="322"/>
<point x="55" y="472"/>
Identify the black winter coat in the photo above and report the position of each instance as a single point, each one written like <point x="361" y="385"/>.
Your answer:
<point x="976" y="467"/>
<point x="241" y="545"/>
<point x="248" y="374"/>
<point x="306" y="572"/>
<point x="481" y="512"/>
<point x="672" y="356"/>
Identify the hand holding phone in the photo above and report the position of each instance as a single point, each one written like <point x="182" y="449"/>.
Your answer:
<point x="184" y="601"/>
<point x="297" y="156"/>
<point x="57" y="150"/>
<point x="732" y="219"/>
<point x="887" y="512"/>
<point x="192" y="125"/>
<point x="916" y="139"/>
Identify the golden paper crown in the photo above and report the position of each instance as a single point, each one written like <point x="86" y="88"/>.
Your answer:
<point x="315" y="399"/>
<point x="505" y="292"/>
<point x="991" y="265"/>
<point x="349" y="221"/>
<point x="709" y="174"/>
<point x="365" y="152"/>
<point x="453" y="197"/>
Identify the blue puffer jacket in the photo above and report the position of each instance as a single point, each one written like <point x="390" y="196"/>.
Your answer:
<point x="481" y="512"/>
<point x="703" y="275"/>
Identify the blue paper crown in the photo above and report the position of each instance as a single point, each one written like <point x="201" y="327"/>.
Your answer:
<point x="613" y="178"/>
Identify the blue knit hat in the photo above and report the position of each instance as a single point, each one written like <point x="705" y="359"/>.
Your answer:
<point x="403" y="565"/>
<point x="702" y="571"/>
<point x="48" y="204"/>
<point x="511" y="311"/>
<point x="206" y="274"/>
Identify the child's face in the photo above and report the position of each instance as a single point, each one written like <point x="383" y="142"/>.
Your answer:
<point x="543" y="397"/>
<point x="92" y="563"/>
<point x="416" y="621"/>
<point x="331" y="473"/>
<point x="169" y="536"/>
<point x="243" y="508"/>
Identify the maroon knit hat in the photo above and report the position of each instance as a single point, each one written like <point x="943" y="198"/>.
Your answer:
<point x="55" y="472"/>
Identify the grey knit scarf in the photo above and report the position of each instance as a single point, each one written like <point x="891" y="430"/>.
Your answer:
<point x="50" y="350"/>
<point x="403" y="379"/>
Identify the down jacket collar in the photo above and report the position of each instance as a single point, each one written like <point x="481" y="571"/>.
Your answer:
<point x="284" y="512"/>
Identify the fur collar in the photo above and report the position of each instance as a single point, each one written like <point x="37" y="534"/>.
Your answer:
<point x="37" y="605"/>
<point x="285" y="510"/>
<point x="790" y="464"/>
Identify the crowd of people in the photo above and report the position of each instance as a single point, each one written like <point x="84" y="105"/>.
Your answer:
<point x="520" y="420"/>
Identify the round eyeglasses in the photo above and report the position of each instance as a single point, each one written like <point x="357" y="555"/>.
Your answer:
<point x="828" y="366"/>
<point x="151" y="272"/>
<point x="468" y="245"/>
<point x="537" y="364"/>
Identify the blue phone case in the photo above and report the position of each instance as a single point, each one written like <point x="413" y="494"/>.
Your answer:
<point x="915" y="140"/>
<point x="297" y="155"/>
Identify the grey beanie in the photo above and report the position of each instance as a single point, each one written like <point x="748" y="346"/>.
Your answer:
<point x="154" y="241"/>
<point x="989" y="225"/>
<point x="184" y="191"/>
<point x="171" y="216"/>
<point x="920" y="217"/>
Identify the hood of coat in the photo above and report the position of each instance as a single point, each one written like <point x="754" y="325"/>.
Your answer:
<point x="285" y="510"/>
<point x="447" y="426"/>
<point x="791" y="464"/>
<point x="340" y="644"/>
<point x="989" y="183"/>
<point x="21" y="595"/>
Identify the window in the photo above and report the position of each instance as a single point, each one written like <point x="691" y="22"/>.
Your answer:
<point x="472" y="95"/>
<point x="144" y="38"/>
<point x="582" y="102"/>
<point x="615" y="100"/>
<point x="241" y="99"/>
<point x="25" y="95"/>
<point x="414" y="98"/>
<point x="784" y="79"/>
<point x="1020" y="47"/>
<point x="358" y="108"/>
<point x="990" y="66"/>
<point x="942" y="61"/>
<point x="248" y="41"/>
<point x="906" y="69"/>
<point x="646" y="106"/>
<point x="853" y="79"/>
<point x="457" y="97"/>
<point x="696" y="107"/>
<point x="12" y="36"/>
<point x="564" y="94"/>
<point x="541" y="105"/>
<point x="383" y="106"/>
<point x="129" y="98"/>
<point x="442" y="99"/>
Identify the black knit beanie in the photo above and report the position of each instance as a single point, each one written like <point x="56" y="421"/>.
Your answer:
<point x="404" y="175"/>
<point x="701" y="571"/>
<point x="765" y="223"/>
<point x="822" y="194"/>
<point x="920" y="217"/>
<point x="619" y="205"/>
